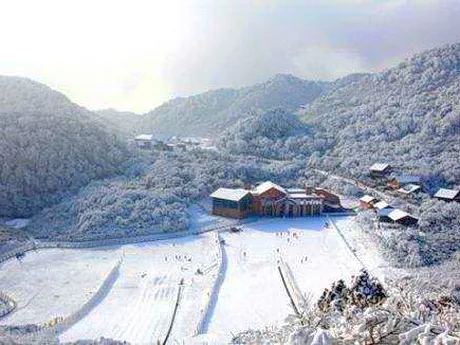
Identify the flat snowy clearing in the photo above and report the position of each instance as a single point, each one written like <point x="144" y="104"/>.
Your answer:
<point x="252" y="294"/>
<point x="53" y="282"/>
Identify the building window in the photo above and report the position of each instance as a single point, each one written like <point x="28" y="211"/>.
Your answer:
<point x="222" y="203"/>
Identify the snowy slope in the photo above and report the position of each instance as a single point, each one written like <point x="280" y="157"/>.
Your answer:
<point x="139" y="307"/>
<point x="252" y="294"/>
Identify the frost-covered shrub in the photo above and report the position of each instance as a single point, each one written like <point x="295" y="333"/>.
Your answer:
<point x="157" y="200"/>
<point x="111" y="209"/>
<point x="407" y="116"/>
<point x="274" y="133"/>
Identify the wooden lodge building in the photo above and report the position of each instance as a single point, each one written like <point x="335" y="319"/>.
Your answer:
<point x="145" y="141"/>
<point x="391" y="215"/>
<point x="270" y="199"/>
<point x="380" y="170"/>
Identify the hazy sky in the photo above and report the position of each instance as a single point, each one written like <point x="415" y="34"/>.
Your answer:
<point x="134" y="55"/>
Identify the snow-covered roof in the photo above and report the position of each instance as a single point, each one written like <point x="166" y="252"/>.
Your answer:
<point x="367" y="198"/>
<point x="409" y="188"/>
<point x="147" y="137"/>
<point x="303" y="196"/>
<point x="379" y="167"/>
<point x="381" y="205"/>
<point x="398" y="214"/>
<point x="446" y="193"/>
<point x="295" y="190"/>
<point x="230" y="194"/>
<point x="266" y="186"/>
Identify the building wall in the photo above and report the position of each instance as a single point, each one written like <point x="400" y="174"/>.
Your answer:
<point x="365" y="205"/>
<point x="407" y="221"/>
<point x="232" y="209"/>
<point x="270" y="196"/>
<point x="328" y="196"/>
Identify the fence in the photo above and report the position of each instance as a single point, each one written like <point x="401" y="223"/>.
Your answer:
<point x="330" y="221"/>
<point x="202" y="323"/>
<point x="291" y="284"/>
<point x="10" y="304"/>
<point x="61" y="324"/>
<point x="176" y="307"/>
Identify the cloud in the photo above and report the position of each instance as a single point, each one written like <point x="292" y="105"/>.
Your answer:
<point x="136" y="54"/>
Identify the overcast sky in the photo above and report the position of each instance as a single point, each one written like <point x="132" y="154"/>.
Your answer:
<point x="134" y="55"/>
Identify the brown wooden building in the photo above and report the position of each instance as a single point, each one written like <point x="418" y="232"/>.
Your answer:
<point x="234" y="203"/>
<point x="390" y="215"/>
<point x="404" y="180"/>
<point x="380" y="170"/>
<point x="270" y="199"/>
<point x="367" y="202"/>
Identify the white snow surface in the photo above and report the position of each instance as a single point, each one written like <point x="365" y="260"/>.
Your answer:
<point x="139" y="306"/>
<point x="252" y="294"/>
<point x="18" y="223"/>
<point x="53" y="282"/>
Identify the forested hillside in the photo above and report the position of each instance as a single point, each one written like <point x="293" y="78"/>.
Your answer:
<point x="408" y="116"/>
<point x="48" y="147"/>
<point x="275" y="133"/>
<point x="124" y="123"/>
<point x="209" y="113"/>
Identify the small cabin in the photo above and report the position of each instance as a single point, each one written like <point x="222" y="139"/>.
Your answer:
<point x="402" y="218"/>
<point x="447" y="195"/>
<point x="145" y="141"/>
<point x="397" y="216"/>
<point x="380" y="170"/>
<point x="409" y="189"/>
<point x="367" y="202"/>
<point x="233" y="203"/>
<point x="381" y="205"/>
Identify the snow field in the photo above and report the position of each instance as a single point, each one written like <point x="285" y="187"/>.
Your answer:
<point x="366" y="249"/>
<point x="252" y="294"/>
<point x="140" y="305"/>
<point x="53" y="282"/>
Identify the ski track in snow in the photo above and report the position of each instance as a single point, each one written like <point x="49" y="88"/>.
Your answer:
<point x="252" y="294"/>
<point x="139" y="306"/>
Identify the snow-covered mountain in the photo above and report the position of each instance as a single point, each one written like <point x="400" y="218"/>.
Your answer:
<point x="48" y="146"/>
<point x="408" y="116"/>
<point x="207" y="114"/>
<point x="124" y="123"/>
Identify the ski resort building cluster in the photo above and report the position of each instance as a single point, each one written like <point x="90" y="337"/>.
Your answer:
<point x="386" y="213"/>
<point x="270" y="199"/>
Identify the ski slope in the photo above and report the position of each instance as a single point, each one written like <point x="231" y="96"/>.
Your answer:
<point x="252" y="294"/>
<point x="140" y="305"/>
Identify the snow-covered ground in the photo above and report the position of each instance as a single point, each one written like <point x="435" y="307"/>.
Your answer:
<point x="53" y="282"/>
<point x="139" y="305"/>
<point x="366" y="249"/>
<point x="252" y="294"/>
